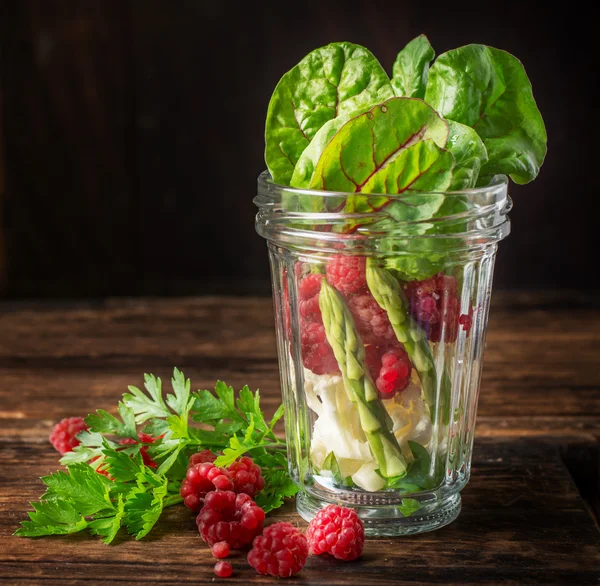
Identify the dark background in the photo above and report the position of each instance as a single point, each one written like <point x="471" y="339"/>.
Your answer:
<point x="131" y="135"/>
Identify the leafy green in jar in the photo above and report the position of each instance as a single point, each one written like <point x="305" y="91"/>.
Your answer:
<point x="469" y="155"/>
<point x="365" y="147"/>
<point x="411" y="68"/>
<point x="488" y="90"/>
<point x="331" y="81"/>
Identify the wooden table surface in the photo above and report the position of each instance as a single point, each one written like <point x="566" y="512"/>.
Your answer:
<point x="529" y="511"/>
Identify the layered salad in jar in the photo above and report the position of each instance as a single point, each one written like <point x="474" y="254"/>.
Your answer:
<point x="379" y="331"/>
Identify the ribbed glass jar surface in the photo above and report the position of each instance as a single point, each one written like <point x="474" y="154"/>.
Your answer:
<point x="381" y="306"/>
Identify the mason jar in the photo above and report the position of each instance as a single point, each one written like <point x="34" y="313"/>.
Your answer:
<point x="381" y="306"/>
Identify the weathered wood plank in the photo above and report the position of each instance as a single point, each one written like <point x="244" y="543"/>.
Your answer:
<point x="538" y="363"/>
<point x="522" y="522"/>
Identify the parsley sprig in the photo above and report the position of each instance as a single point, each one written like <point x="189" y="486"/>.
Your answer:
<point x="134" y="495"/>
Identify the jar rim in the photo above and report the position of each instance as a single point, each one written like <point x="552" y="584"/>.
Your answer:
<point x="266" y="185"/>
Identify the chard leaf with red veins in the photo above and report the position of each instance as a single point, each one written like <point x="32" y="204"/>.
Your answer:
<point x="411" y="68"/>
<point x="331" y="81"/>
<point x="488" y="89"/>
<point x="368" y="144"/>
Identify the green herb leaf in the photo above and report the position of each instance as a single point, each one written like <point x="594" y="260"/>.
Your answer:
<point x="87" y="490"/>
<point x="411" y="68"/>
<point x="278" y="486"/>
<point x="419" y="471"/>
<point x="276" y="417"/>
<point x="208" y="408"/>
<point x="108" y="526"/>
<point x="144" y="505"/>
<point x="235" y="450"/>
<point x="146" y="407"/>
<point x="331" y="81"/>
<point x="409" y="506"/>
<point x="104" y="422"/>
<point x="42" y="525"/>
<point x="488" y="89"/>
<point x="135" y="495"/>
<point x="121" y="465"/>
<point x="181" y="388"/>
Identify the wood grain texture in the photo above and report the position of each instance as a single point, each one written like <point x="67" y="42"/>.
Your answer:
<point x="527" y="511"/>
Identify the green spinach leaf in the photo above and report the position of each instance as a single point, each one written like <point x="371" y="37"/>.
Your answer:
<point x="469" y="153"/>
<point x="411" y="68"/>
<point x="488" y="89"/>
<point x="331" y="81"/>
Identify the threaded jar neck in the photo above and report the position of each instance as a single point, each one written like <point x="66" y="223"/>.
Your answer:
<point x="326" y="220"/>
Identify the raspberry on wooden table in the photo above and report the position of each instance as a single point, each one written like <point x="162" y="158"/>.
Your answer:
<point x="225" y="516"/>
<point x="337" y="531"/>
<point x="246" y="476"/>
<point x="63" y="436"/>
<point x="221" y="549"/>
<point x="223" y="569"/>
<point x="280" y="551"/>
<point x="199" y="480"/>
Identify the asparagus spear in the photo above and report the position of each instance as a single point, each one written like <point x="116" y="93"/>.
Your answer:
<point x="389" y="295"/>
<point x="349" y="352"/>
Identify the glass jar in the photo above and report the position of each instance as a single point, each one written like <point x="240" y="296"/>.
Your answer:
<point x="381" y="306"/>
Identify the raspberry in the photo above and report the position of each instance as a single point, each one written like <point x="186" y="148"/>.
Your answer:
<point x="466" y="320"/>
<point x="199" y="480"/>
<point x="223" y="569"/>
<point x="246" y="476"/>
<point x="371" y="320"/>
<point x="347" y="273"/>
<point x="338" y="531"/>
<point x="201" y="458"/>
<point x="434" y="304"/>
<point x="309" y="286"/>
<point x="221" y="549"/>
<point x="280" y="551"/>
<point x="63" y="436"/>
<point x="394" y="375"/>
<point x="225" y="516"/>
<point x="317" y="354"/>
